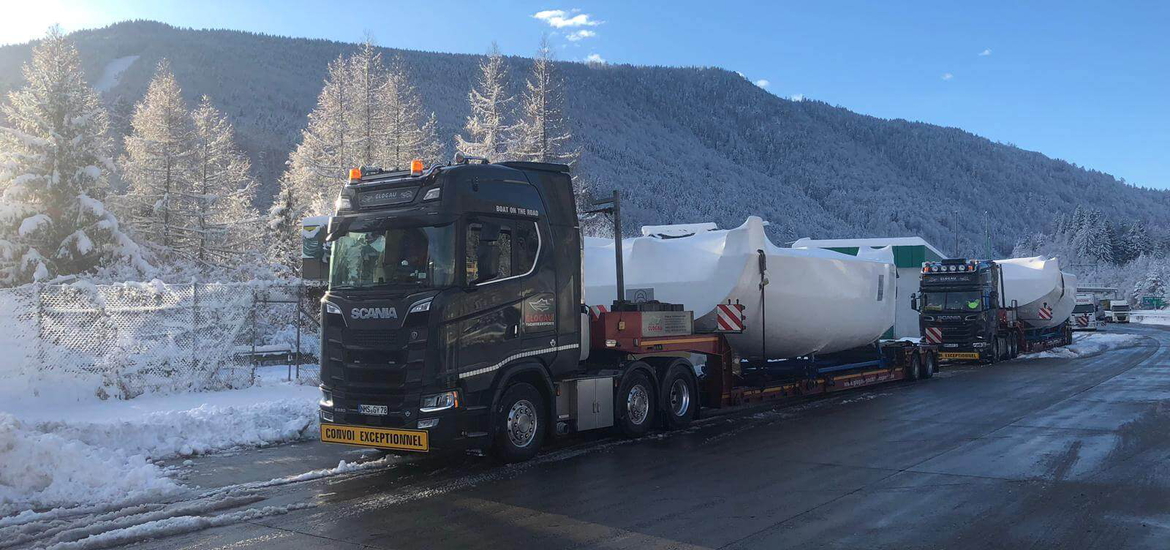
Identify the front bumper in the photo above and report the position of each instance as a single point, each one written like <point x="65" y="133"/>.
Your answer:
<point x="459" y="429"/>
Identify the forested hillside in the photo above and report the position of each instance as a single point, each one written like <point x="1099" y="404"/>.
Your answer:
<point x="683" y="144"/>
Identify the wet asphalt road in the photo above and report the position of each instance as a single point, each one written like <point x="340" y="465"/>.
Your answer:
<point x="1041" y="453"/>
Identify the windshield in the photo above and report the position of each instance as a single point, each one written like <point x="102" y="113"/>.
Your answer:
<point x="953" y="301"/>
<point x="1084" y="308"/>
<point x="1120" y="307"/>
<point x="415" y="256"/>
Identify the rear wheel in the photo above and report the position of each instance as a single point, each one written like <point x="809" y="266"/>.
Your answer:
<point x="635" y="405"/>
<point x="518" y="420"/>
<point x="928" y="365"/>
<point x="679" y="398"/>
<point x="914" y="371"/>
<point x="994" y="351"/>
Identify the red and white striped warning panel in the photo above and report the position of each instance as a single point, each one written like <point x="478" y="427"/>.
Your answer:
<point x="1083" y="320"/>
<point x="729" y="317"/>
<point x="596" y="311"/>
<point x="1045" y="313"/>
<point x="932" y="335"/>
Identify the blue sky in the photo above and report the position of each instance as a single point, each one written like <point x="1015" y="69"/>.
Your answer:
<point x="1087" y="82"/>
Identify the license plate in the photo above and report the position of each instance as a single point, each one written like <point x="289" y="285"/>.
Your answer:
<point x="400" y="440"/>
<point x="958" y="355"/>
<point x="374" y="410"/>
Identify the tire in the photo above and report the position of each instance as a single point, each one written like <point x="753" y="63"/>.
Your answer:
<point x="635" y="406"/>
<point x="680" y="399"/>
<point x="994" y="357"/>
<point x="929" y="365"/>
<point x="914" y="371"/>
<point x="518" y="420"/>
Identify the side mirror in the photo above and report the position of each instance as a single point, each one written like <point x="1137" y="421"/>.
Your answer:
<point x="914" y="302"/>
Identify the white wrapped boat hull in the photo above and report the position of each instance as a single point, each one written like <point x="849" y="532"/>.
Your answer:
<point x="816" y="301"/>
<point x="1044" y="295"/>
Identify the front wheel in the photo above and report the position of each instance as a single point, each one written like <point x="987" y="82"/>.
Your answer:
<point x="634" y="405"/>
<point x="518" y="420"/>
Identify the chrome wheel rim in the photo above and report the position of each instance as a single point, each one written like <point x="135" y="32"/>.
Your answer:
<point x="680" y="398"/>
<point x="522" y="423"/>
<point x="638" y="404"/>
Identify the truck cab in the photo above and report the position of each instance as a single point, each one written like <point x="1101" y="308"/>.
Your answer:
<point x="440" y="282"/>
<point x="1119" y="311"/>
<point x="961" y="310"/>
<point x="1084" y="314"/>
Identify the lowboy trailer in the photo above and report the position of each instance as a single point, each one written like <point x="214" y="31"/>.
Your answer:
<point x="453" y="321"/>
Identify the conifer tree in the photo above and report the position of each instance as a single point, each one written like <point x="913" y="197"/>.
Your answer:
<point x="487" y="127"/>
<point x="54" y="165"/>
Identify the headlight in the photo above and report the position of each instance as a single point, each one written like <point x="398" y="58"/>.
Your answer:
<point x="342" y="203"/>
<point x="420" y="307"/>
<point x="439" y="402"/>
<point x="330" y="307"/>
<point x="431" y="194"/>
<point x="326" y="398"/>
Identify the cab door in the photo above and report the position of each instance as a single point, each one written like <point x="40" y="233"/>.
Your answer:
<point x="513" y="314"/>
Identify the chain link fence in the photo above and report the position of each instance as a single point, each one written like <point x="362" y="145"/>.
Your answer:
<point x="127" y="339"/>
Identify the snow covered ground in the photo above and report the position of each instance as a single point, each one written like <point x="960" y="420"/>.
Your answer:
<point x="62" y="452"/>
<point x="1088" y="344"/>
<point x="1150" y="316"/>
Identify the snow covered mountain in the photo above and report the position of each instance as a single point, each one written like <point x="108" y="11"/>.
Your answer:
<point x="684" y="144"/>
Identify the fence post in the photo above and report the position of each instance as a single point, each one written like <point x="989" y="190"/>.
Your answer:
<point x="300" y="298"/>
<point x="194" y="327"/>
<point x="253" y="308"/>
<point x="37" y="289"/>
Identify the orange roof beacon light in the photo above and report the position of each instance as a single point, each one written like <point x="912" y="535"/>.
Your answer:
<point x="416" y="167"/>
<point x="355" y="174"/>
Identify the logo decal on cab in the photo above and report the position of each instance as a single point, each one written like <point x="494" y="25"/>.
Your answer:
<point x="373" y="313"/>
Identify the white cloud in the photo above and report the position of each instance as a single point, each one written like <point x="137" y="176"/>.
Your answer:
<point x="594" y="58"/>
<point x="763" y="83"/>
<point x="947" y="76"/>
<point x="579" y="35"/>
<point x="559" y="19"/>
<point x="985" y="53"/>
<point x="797" y="97"/>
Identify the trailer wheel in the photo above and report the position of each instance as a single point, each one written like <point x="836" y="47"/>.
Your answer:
<point x="679" y="398"/>
<point x="928" y="365"/>
<point x="635" y="405"/>
<point x="914" y="371"/>
<point x="1013" y="347"/>
<point x="519" y="423"/>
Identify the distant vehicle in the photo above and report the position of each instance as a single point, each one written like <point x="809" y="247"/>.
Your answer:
<point x="1084" y="315"/>
<point x="966" y="308"/>
<point x="1118" y="312"/>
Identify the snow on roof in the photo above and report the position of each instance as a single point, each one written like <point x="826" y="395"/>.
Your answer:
<point x="873" y="242"/>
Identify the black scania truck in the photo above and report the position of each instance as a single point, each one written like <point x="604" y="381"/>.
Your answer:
<point x="453" y="320"/>
<point x="962" y="311"/>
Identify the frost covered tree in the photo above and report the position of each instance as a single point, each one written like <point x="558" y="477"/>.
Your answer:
<point x="54" y="166"/>
<point x="224" y="226"/>
<point x="367" y="114"/>
<point x="411" y="132"/>
<point x="487" y="127"/>
<point x="542" y="134"/>
<point x="157" y="164"/>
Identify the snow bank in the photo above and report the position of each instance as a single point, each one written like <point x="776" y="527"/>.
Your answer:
<point x="1150" y="316"/>
<point x="1088" y="345"/>
<point x="55" y="454"/>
